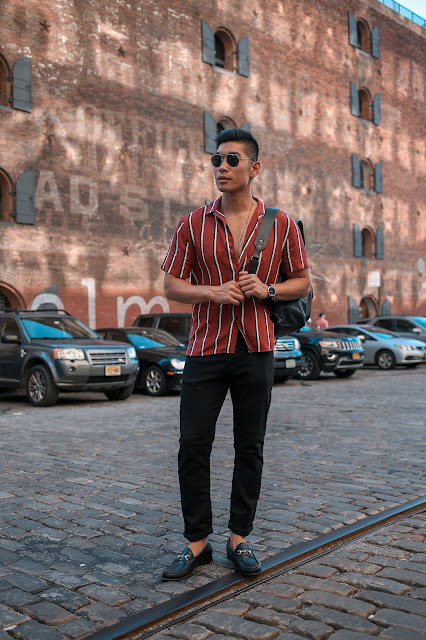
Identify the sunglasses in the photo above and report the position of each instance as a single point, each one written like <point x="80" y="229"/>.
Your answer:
<point x="231" y="158"/>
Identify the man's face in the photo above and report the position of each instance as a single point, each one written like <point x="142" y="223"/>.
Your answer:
<point x="230" y="179"/>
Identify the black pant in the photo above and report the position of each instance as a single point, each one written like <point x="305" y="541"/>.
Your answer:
<point x="206" y="380"/>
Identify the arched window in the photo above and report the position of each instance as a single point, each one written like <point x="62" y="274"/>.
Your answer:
<point x="6" y="197"/>
<point x="367" y="175"/>
<point x="368" y="307"/>
<point x="225" y="50"/>
<point x="368" y="243"/>
<point x="4" y="302"/>
<point x="4" y="83"/>
<point x="224" y="123"/>
<point x="364" y="36"/>
<point x="365" y="104"/>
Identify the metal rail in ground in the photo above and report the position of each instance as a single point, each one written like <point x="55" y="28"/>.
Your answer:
<point x="187" y="605"/>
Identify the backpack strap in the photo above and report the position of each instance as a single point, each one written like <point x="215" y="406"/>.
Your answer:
<point x="262" y="236"/>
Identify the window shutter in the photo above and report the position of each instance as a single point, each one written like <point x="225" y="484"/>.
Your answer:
<point x="375" y="43"/>
<point x="353" y="310"/>
<point x="25" y="204"/>
<point x="22" y="85"/>
<point x="355" y="105"/>
<point x="207" y="38"/>
<point x="379" y="243"/>
<point x="386" y="307"/>
<point x="353" y="30"/>
<point x="357" y="241"/>
<point x="378" y="182"/>
<point x="376" y="109"/>
<point x="356" y="172"/>
<point x="246" y="126"/>
<point x="243" y="57"/>
<point x="209" y="133"/>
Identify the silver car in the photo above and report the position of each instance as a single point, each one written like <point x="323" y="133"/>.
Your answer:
<point x="404" y="326"/>
<point x="383" y="348"/>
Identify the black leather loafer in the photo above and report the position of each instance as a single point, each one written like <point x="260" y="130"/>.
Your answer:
<point x="244" y="559"/>
<point x="186" y="562"/>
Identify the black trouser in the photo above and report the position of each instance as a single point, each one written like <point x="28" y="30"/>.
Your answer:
<point x="206" y="380"/>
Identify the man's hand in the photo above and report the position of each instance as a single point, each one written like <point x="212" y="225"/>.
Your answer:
<point x="228" y="293"/>
<point x="252" y="286"/>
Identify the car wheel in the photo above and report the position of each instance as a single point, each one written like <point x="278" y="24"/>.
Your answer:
<point x="41" y="391"/>
<point x="344" y="373"/>
<point x="385" y="359"/>
<point x="155" y="381"/>
<point x="310" y="367"/>
<point x="120" y="394"/>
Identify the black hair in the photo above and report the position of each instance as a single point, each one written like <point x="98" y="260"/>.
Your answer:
<point x="239" y="135"/>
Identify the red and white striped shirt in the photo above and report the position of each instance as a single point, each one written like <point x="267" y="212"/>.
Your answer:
<point x="202" y="249"/>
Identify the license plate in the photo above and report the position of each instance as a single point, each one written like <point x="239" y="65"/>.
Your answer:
<point x="356" y="356"/>
<point x="290" y="364"/>
<point x="112" y="370"/>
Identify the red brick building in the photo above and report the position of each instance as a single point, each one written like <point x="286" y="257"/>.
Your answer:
<point x="108" y="110"/>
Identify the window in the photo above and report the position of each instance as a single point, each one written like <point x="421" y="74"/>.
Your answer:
<point x="219" y="49"/>
<point x="361" y="37"/>
<point x="363" y="106"/>
<point x="6" y="197"/>
<point x="385" y="323"/>
<point x="367" y="175"/>
<point x="367" y="243"/>
<point x="404" y="325"/>
<point x="224" y="123"/>
<point x="10" y="327"/>
<point x="4" y="302"/>
<point x="4" y="83"/>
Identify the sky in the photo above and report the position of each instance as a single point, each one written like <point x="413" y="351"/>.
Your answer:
<point x="417" y="6"/>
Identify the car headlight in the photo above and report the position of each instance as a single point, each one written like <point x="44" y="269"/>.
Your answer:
<point x="296" y="343"/>
<point x="179" y="365"/>
<point x="329" y="344"/>
<point x="131" y="351"/>
<point x="406" y="347"/>
<point x="69" y="353"/>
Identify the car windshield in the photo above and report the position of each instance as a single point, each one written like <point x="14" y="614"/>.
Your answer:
<point x="420" y="320"/>
<point x="152" y="340"/>
<point x="57" y="328"/>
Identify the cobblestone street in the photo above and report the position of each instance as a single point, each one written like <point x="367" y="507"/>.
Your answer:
<point x="90" y="512"/>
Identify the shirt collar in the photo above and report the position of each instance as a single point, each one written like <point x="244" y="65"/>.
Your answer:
<point x="214" y="207"/>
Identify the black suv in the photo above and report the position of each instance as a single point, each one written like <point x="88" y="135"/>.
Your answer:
<point x="178" y="324"/>
<point x="46" y="352"/>
<point x="328" y="352"/>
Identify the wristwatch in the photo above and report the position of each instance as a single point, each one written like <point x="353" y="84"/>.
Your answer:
<point x="271" y="291"/>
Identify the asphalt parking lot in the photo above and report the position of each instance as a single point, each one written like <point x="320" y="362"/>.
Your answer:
<point x="89" y="497"/>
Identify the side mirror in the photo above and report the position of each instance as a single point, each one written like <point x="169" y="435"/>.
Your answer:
<point x="416" y="330"/>
<point x="10" y="338"/>
<point x="361" y="337"/>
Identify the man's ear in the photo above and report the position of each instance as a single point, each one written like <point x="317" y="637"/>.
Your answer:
<point x="254" y="169"/>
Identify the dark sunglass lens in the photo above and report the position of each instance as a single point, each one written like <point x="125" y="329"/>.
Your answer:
<point x="232" y="159"/>
<point x="216" y="160"/>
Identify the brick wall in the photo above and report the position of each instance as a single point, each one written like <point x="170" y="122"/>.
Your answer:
<point x="115" y="138"/>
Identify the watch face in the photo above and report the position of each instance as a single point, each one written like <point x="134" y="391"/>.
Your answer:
<point x="271" y="292"/>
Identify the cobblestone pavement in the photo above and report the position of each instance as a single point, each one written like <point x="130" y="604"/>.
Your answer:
<point x="90" y="510"/>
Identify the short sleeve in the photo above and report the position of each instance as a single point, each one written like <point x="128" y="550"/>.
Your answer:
<point x="179" y="259"/>
<point x="294" y="256"/>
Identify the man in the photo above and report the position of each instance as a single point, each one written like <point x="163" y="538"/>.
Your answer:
<point x="231" y="343"/>
<point x="322" y="322"/>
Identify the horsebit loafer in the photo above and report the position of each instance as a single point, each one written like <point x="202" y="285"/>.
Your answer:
<point x="186" y="562"/>
<point x="244" y="559"/>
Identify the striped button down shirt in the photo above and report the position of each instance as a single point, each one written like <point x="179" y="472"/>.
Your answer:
<point x="202" y="249"/>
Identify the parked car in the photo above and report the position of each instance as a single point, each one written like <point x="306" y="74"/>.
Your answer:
<point x="328" y="353"/>
<point x="46" y="352"/>
<point x="161" y="357"/>
<point x="404" y="326"/>
<point x="384" y="348"/>
<point x="288" y="358"/>
<point x="177" y="324"/>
